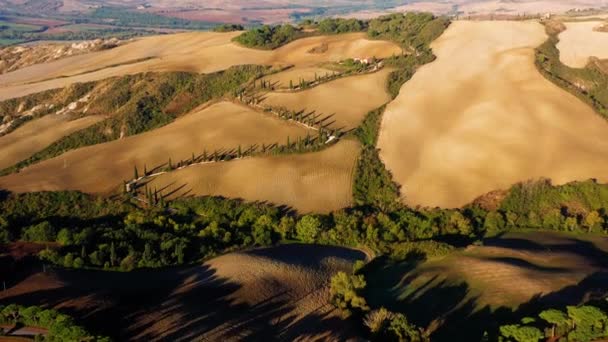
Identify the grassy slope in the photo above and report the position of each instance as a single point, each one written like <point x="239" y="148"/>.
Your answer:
<point x="139" y="102"/>
<point x="589" y="84"/>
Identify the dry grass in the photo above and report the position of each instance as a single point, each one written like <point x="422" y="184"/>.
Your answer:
<point x="511" y="270"/>
<point x="201" y="52"/>
<point x="311" y="182"/>
<point x="101" y="168"/>
<point x="279" y="293"/>
<point x="349" y="99"/>
<point x="580" y="41"/>
<point x="35" y="135"/>
<point x="481" y="118"/>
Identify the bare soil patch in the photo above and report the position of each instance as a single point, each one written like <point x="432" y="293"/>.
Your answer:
<point x="201" y="52"/>
<point x="348" y="99"/>
<point x="481" y="117"/>
<point x="310" y="182"/>
<point x="35" y="135"/>
<point x="102" y="168"/>
<point x="278" y="293"/>
<point x="582" y="40"/>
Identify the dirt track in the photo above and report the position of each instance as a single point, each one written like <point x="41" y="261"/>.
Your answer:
<point x="481" y="118"/>
<point x="268" y="294"/>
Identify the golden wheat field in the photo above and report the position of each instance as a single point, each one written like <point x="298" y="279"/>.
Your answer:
<point x="348" y="99"/>
<point x="35" y="135"/>
<point x="101" y="168"/>
<point x="481" y="118"/>
<point x="201" y="52"/>
<point x="311" y="182"/>
<point x="580" y="41"/>
<point x="540" y="263"/>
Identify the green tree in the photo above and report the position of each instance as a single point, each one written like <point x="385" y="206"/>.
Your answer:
<point x="262" y="230"/>
<point x="592" y="221"/>
<point x="406" y="331"/>
<point x="286" y="227"/>
<point x="64" y="237"/>
<point x="308" y="228"/>
<point x="520" y="333"/>
<point x="554" y="317"/>
<point x="345" y="293"/>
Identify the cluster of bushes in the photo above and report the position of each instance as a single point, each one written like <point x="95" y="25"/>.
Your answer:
<point x="228" y="28"/>
<point x="339" y="25"/>
<point x="269" y="37"/>
<point x="60" y="327"/>
<point x="413" y="31"/>
<point x="575" y="324"/>
<point x="346" y="294"/>
<point x="143" y="102"/>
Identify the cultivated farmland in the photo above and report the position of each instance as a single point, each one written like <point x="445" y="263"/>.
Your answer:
<point x="481" y="117"/>
<point x="348" y="99"/>
<point x="101" y="168"/>
<point x="35" y="135"/>
<point x="201" y="52"/>
<point x="311" y="182"/>
<point x="507" y="271"/>
<point x="582" y="40"/>
<point x="269" y="294"/>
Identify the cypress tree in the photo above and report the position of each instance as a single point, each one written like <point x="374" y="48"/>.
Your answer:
<point x="112" y="254"/>
<point x="135" y="173"/>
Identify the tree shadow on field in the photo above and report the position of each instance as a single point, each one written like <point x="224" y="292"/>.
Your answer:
<point x="453" y="312"/>
<point x="185" y="303"/>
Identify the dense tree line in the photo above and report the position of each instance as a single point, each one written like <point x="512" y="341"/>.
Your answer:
<point x="228" y="28"/>
<point x="121" y="33"/>
<point x="60" y="327"/>
<point x="115" y="234"/>
<point x="120" y="17"/>
<point x="574" y="324"/>
<point x="270" y="37"/>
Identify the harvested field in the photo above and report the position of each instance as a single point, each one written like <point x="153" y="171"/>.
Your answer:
<point x="580" y="41"/>
<point x="202" y="52"/>
<point x="101" y="168"/>
<point x="481" y="118"/>
<point x="35" y="135"/>
<point x="516" y="270"/>
<point x="311" y="182"/>
<point x="349" y="99"/>
<point x="278" y="293"/>
<point x="282" y="79"/>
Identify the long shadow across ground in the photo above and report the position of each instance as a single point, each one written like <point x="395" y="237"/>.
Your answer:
<point x="277" y="293"/>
